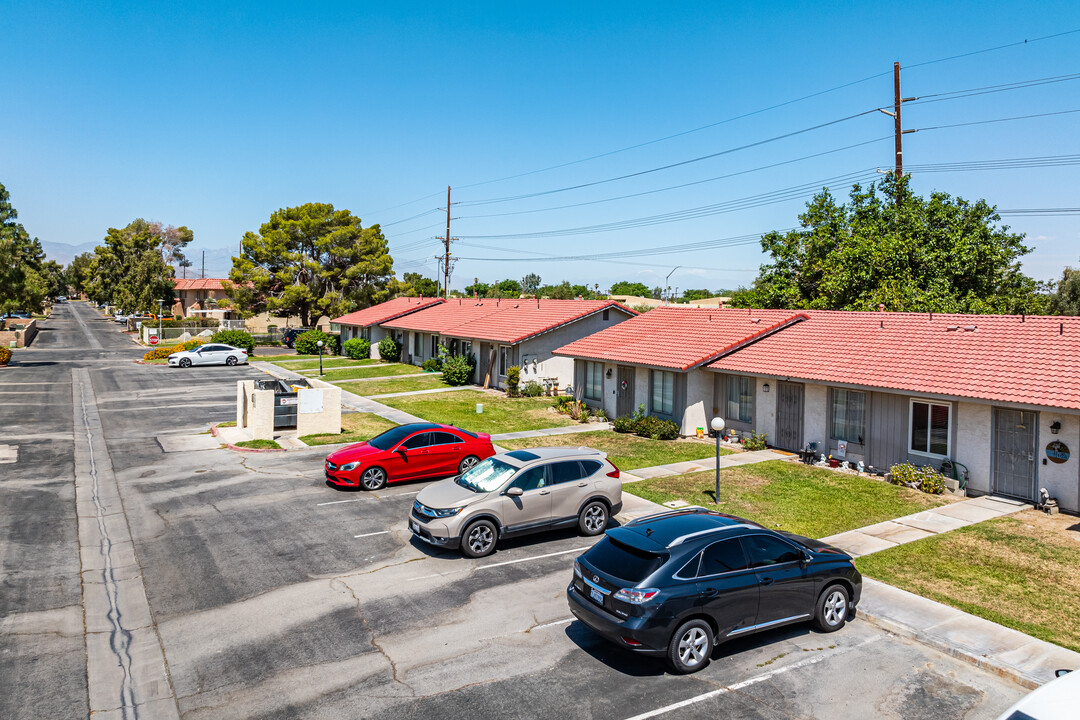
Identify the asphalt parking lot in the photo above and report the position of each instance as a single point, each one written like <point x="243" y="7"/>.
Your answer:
<point x="272" y="595"/>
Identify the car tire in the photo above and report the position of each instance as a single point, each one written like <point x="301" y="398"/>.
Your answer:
<point x="479" y="539"/>
<point x="831" y="612"/>
<point x="374" y="478"/>
<point x="593" y="518"/>
<point x="467" y="463"/>
<point x="690" y="647"/>
<point x="185" y="362"/>
<point x="230" y="360"/>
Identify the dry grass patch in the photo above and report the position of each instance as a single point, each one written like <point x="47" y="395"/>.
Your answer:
<point x="1021" y="571"/>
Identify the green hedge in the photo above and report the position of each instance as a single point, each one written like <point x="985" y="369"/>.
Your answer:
<point x="357" y="348"/>
<point x="236" y="338"/>
<point x="306" y="343"/>
<point x="389" y="349"/>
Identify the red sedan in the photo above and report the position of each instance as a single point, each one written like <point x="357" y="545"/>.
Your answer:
<point x="407" y="452"/>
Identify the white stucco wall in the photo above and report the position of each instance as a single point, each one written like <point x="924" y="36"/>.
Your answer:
<point x="1062" y="481"/>
<point x="611" y="387"/>
<point x="765" y="408"/>
<point x="699" y="402"/>
<point x="974" y="422"/>
<point x="815" y="414"/>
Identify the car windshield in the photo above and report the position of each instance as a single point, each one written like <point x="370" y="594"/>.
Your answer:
<point x="486" y="476"/>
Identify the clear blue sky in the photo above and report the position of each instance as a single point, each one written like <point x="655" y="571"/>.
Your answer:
<point x="213" y="117"/>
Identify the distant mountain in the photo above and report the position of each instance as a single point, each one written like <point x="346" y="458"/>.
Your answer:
<point x="218" y="260"/>
<point x="64" y="253"/>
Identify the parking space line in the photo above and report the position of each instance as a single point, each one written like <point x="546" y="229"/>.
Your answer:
<point x="534" y="557"/>
<point x="381" y="532"/>
<point x="336" y="502"/>
<point x="553" y="624"/>
<point x="752" y="681"/>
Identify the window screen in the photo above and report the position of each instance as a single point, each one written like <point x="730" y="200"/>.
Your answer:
<point x="740" y="398"/>
<point x="594" y="380"/>
<point x="663" y="392"/>
<point x="848" y="415"/>
<point x="930" y="428"/>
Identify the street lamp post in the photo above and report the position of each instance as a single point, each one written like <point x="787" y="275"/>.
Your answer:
<point x="160" y="309"/>
<point x="717" y="425"/>
<point x="319" y="345"/>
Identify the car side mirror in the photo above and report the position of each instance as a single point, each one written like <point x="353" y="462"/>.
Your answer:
<point x="514" y="492"/>
<point x="1061" y="673"/>
<point x="805" y="560"/>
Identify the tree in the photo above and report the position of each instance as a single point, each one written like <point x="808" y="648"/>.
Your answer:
<point x="1066" y="297"/>
<point x="625" y="287"/>
<point x="129" y="270"/>
<point x="508" y="288"/>
<point x="562" y="291"/>
<point x="477" y="288"/>
<point x="941" y="254"/>
<point x="22" y="283"/>
<point x="309" y="261"/>
<point x="76" y="272"/>
<point x="530" y="283"/>
<point x="696" y="294"/>
<point x="415" y="284"/>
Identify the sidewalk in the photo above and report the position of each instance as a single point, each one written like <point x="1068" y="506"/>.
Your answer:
<point x="691" y="466"/>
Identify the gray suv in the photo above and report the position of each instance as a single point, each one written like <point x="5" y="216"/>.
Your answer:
<point x="516" y="493"/>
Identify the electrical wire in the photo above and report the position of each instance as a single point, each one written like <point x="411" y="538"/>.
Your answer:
<point x="419" y="215"/>
<point x="1041" y="212"/>
<point x="997" y="120"/>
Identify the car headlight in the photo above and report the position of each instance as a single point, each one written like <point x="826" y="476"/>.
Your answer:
<point x="349" y="466"/>
<point x="445" y="512"/>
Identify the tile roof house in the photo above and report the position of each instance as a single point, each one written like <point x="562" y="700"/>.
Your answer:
<point x="193" y="294"/>
<point x="998" y="396"/>
<point x="367" y="323"/>
<point x="506" y="332"/>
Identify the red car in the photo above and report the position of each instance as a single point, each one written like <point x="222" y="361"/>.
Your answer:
<point x="407" y="452"/>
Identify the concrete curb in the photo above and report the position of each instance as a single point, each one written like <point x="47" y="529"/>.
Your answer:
<point x="237" y="448"/>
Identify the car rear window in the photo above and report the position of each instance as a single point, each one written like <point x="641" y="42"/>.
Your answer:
<point x="591" y="467"/>
<point x="622" y="561"/>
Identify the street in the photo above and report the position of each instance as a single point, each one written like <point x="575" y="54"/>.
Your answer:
<point x="241" y="586"/>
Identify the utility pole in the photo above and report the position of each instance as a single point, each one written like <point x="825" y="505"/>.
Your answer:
<point x="444" y="259"/>
<point x="898" y="126"/>
<point x="204" y="263"/>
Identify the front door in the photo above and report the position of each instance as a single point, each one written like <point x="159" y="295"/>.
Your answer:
<point x="789" y="416"/>
<point x="624" y="392"/>
<point x="1014" y="453"/>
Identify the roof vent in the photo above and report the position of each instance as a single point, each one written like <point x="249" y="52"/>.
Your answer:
<point x="953" y="328"/>
<point x="755" y="320"/>
<point x="517" y="306"/>
<point x="970" y="328"/>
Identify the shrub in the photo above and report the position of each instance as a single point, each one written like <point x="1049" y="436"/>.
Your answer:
<point x="586" y="413"/>
<point x="601" y="415"/>
<point x="357" y="348"/>
<point x="513" y="379"/>
<point x="757" y="442"/>
<point x="624" y="425"/>
<point x="563" y="403"/>
<point x="430" y="365"/>
<point x="237" y="338"/>
<point x="5" y="355"/>
<point x="456" y="370"/>
<point x="306" y="343"/>
<point x="657" y="429"/>
<point x="189" y="345"/>
<point x="923" y="478"/>
<point x="532" y="389"/>
<point x="390" y="350"/>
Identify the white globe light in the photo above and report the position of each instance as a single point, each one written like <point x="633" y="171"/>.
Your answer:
<point x="717" y="424"/>
<point x="319" y="343"/>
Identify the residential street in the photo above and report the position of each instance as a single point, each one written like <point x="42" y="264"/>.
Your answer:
<point x="224" y="585"/>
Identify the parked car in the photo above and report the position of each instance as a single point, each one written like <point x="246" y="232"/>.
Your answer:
<point x="1056" y="700"/>
<point x="18" y="315"/>
<point x="516" y="493"/>
<point x="120" y="317"/>
<point x="288" y="336"/>
<point x="407" y="452"/>
<point x="212" y="354"/>
<point x="675" y="584"/>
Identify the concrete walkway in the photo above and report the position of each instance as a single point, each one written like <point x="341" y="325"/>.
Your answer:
<point x="691" y="466"/>
<point x="432" y="391"/>
<point x="546" y="432"/>
<point x="365" y="379"/>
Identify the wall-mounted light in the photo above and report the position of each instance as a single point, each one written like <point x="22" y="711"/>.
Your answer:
<point x="608" y="373"/>
<point x="1056" y="427"/>
<point x="765" y="387"/>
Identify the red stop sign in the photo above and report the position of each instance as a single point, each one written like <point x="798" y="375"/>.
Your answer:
<point x="153" y="339"/>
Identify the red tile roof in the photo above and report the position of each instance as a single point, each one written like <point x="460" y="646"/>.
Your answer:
<point x="199" y="283"/>
<point x="506" y="320"/>
<point x="378" y="314"/>
<point x="679" y="338"/>
<point x="1001" y="358"/>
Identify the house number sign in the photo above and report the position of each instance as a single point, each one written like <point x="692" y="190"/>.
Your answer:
<point x="1057" y="451"/>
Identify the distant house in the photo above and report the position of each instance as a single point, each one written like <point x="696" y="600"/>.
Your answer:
<point x="507" y="332"/>
<point x="197" y="295"/>
<point x="367" y="323"/>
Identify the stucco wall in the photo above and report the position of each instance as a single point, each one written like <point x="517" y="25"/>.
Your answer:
<point x="815" y="414"/>
<point x="765" y="410"/>
<point x="699" y="402"/>
<point x="610" y="398"/>
<point x="974" y="422"/>
<point x="1062" y="481"/>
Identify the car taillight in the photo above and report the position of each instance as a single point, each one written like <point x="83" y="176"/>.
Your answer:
<point x="577" y="568"/>
<point x="636" y="596"/>
<point x="614" y="471"/>
<point x="631" y="641"/>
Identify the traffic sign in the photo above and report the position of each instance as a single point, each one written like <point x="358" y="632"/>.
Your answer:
<point x="153" y="339"/>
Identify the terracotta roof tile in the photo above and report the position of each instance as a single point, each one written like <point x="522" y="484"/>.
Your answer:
<point x="199" y="283"/>
<point x="378" y="314"/>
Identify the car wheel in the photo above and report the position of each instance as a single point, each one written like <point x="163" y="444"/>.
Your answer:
<point x="185" y="362"/>
<point x="467" y="464"/>
<point x="374" y="478"/>
<point x="691" y="647"/>
<point x="479" y="539"/>
<point x="230" y="360"/>
<point x="593" y="518"/>
<point x="832" y="609"/>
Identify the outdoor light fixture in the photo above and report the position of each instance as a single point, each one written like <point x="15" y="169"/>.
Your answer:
<point x="608" y="373"/>
<point x="717" y="425"/>
<point x="765" y="387"/>
<point x="1056" y="427"/>
<point x="319" y="345"/>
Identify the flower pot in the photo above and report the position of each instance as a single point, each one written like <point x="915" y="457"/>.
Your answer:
<point x="833" y="462"/>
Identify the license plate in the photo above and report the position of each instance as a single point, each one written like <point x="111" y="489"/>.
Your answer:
<point x="414" y="527"/>
<point x="596" y="595"/>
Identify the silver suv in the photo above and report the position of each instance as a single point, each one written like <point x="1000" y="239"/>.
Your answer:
<point x="516" y="493"/>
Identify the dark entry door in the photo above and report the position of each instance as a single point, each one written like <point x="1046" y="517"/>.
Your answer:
<point x="1014" y="453"/>
<point x="789" y="416"/>
<point x="624" y="392"/>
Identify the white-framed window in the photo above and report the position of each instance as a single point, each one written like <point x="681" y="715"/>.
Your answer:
<point x="504" y="358"/>
<point x="930" y="428"/>
<point x="740" y="398"/>
<point x="594" y="380"/>
<point x="848" y="416"/>
<point x="663" y="392"/>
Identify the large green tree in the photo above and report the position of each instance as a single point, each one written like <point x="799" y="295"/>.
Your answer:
<point x="1066" y="297"/>
<point x="23" y="285"/>
<point x="309" y="261"/>
<point x="625" y="287"/>
<point x="888" y="246"/>
<point x="129" y="269"/>
<point x="77" y="271"/>
<point x="416" y="285"/>
<point x="530" y="283"/>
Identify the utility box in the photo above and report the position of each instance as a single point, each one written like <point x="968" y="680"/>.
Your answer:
<point x="265" y="408"/>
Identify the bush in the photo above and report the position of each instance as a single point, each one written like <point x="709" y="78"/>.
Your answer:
<point x="430" y="365"/>
<point x="196" y="322"/>
<point x="624" y="425"/>
<point x="513" y="379"/>
<point x="5" y="355"/>
<point x="923" y="478"/>
<point x="189" y="345"/>
<point x="390" y="350"/>
<point x="456" y="370"/>
<point x="357" y="348"/>
<point x="563" y="403"/>
<point x="237" y="338"/>
<point x="601" y="415"/>
<point x="532" y="389"/>
<point x="657" y="429"/>
<point x="306" y="343"/>
<point x="757" y="442"/>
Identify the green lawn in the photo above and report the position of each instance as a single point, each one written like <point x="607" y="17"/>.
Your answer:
<point x="1021" y="571"/>
<point x="258" y="444"/>
<point x="405" y="384"/>
<point x="790" y="496"/>
<point x="292" y="362"/>
<point x="380" y="370"/>
<point x="628" y="452"/>
<point x="501" y="414"/>
<point x="355" y="428"/>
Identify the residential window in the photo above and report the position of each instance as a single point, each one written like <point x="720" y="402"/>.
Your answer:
<point x="930" y="427"/>
<point x="594" y="380"/>
<point x="434" y="346"/>
<point x="466" y="348"/>
<point x="848" y="415"/>
<point x="606" y="314"/>
<point x="417" y="348"/>
<point x="740" y="398"/>
<point x="663" y="392"/>
<point x="504" y="358"/>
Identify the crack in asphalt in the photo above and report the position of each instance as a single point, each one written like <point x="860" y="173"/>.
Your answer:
<point x="374" y="643"/>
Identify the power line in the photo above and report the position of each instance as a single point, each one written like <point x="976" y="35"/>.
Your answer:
<point x="1041" y="212"/>
<point x="419" y="215"/>
<point x="990" y="89"/>
<point x="997" y="120"/>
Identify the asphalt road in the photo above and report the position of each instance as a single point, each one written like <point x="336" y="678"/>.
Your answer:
<point x="271" y="595"/>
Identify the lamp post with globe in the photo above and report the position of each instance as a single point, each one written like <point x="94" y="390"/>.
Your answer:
<point x="319" y="345"/>
<point x="717" y="425"/>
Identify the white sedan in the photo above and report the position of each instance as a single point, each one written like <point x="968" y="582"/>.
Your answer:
<point x="1056" y="700"/>
<point x="212" y="354"/>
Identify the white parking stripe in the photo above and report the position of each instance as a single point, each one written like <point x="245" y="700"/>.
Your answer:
<point x="751" y="681"/>
<point x="381" y="532"/>
<point x="336" y="502"/>
<point x="553" y="624"/>
<point x="534" y="557"/>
